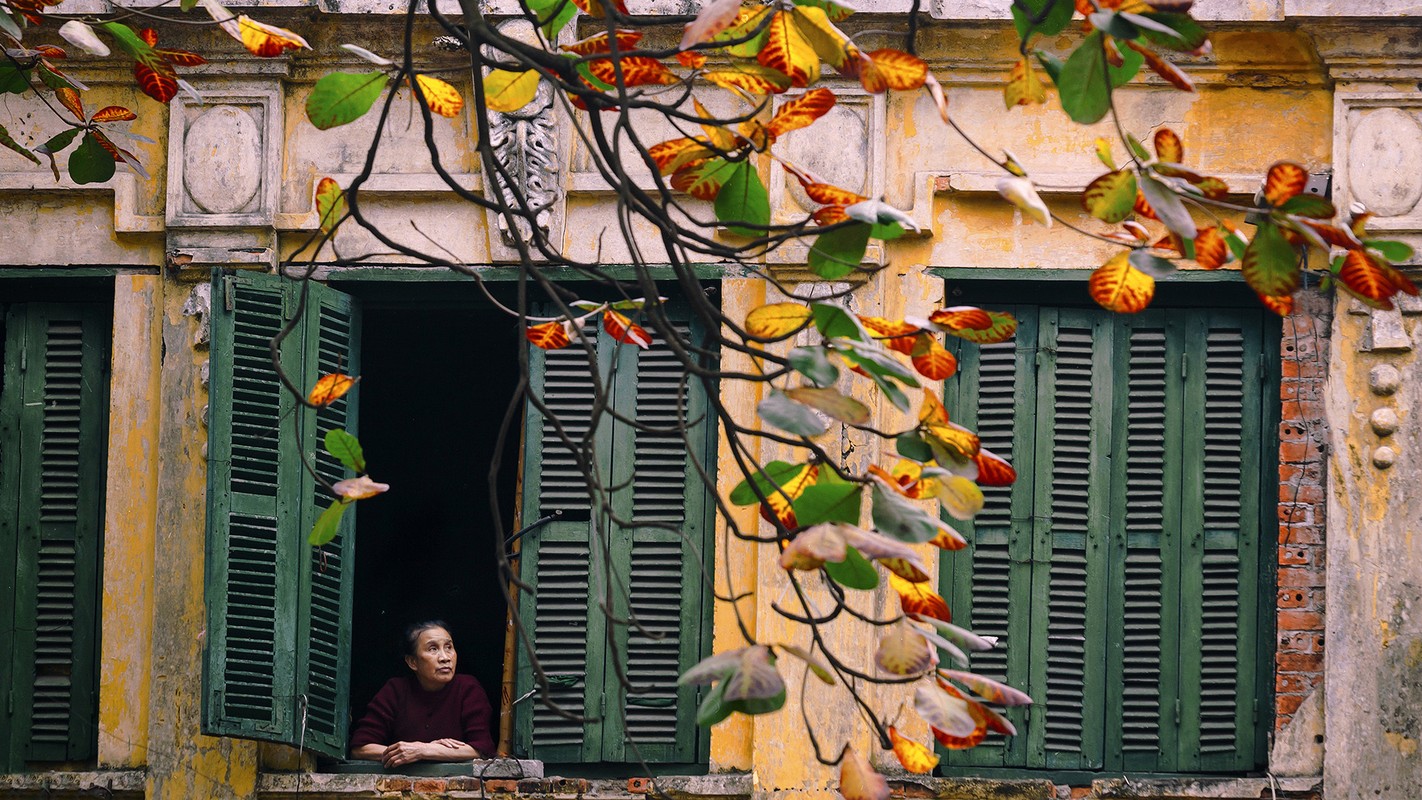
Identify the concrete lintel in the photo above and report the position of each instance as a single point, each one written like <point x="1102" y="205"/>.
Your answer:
<point x="1218" y="788"/>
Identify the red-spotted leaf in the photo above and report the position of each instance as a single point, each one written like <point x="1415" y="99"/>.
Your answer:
<point x="1211" y="250"/>
<point x="801" y="111"/>
<point x="903" y="650"/>
<point x="1023" y="87"/>
<point x="1168" y="146"/>
<point x="917" y="598"/>
<point x="113" y="114"/>
<point x="993" y="470"/>
<point x="549" y="335"/>
<point x="70" y="100"/>
<point x="1284" y="182"/>
<point x="967" y="323"/>
<point x="1118" y="286"/>
<point x="932" y="360"/>
<point x="787" y="51"/>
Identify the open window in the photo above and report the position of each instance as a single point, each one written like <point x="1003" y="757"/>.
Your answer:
<point x="53" y="429"/>
<point x="300" y="638"/>
<point x="1122" y="573"/>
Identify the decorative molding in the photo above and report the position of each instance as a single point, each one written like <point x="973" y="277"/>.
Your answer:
<point x="123" y="185"/>
<point x="405" y="183"/>
<point x="224" y="157"/>
<point x="525" y="142"/>
<point x="1377" y="159"/>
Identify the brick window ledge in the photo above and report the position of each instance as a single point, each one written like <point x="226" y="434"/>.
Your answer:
<point x="119" y="784"/>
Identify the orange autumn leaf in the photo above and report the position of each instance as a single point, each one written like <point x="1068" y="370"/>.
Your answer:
<point x="267" y="41"/>
<point x="948" y="539"/>
<point x="905" y="569"/>
<point x="829" y="215"/>
<point x="1283" y="306"/>
<point x="442" y="98"/>
<point x="993" y="470"/>
<point x="1168" y="146"/>
<point x="787" y="51"/>
<point x="934" y="362"/>
<point x="917" y="598"/>
<point x="624" y="330"/>
<point x="595" y="8"/>
<point x="975" y="325"/>
<point x="113" y="114"/>
<point x="932" y="411"/>
<point x="912" y="755"/>
<point x="1372" y="280"/>
<point x="549" y="335"/>
<point x="671" y="156"/>
<point x="330" y="388"/>
<point x="691" y="59"/>
<point x="858" y="780"/>
<point x="1023" y="87"/>
<point x="831" y="195"/>
<point x="1284" y="181"/>
<point x="1118" y="286"/>
<point x="1172" y="74"/>
<point x="1211" y="250"/>
<point x="636" y="71"/>
<point x="961" y="317"/>
<point x="980" y="720"/>
<point x="952" y="437"/>
<point x="887" y="69"/>
<point x="895" y="335"/>
<point x="70" y="99"/>
<point x="801" y="111"/>
<point x="601" y="43"/>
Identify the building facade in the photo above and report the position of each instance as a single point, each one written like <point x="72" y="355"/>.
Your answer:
<point x="1176" y="646"/>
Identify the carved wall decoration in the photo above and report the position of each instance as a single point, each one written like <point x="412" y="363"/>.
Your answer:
<point x="526" y="145"/>
<point x="1377" y="155"/>
<point x="224" y="157"/>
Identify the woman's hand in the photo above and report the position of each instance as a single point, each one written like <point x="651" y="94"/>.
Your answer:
<point x="402" y="753"/>
<point x="450" y="743"/>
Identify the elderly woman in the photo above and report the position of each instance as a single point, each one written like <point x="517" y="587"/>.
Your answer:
<point x="433" y="714"/>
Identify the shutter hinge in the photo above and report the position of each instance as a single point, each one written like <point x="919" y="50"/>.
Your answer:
<point x="10" y="701"/>
<point x="229" y="303"/>
<point x="1184" y="363"/>
<point x="24" y="359"/>
<point x="1177" y="712"/>
<point x="602" y="705"/>
<point x="1263" y="366"/>
<point x="1256" y="709"/>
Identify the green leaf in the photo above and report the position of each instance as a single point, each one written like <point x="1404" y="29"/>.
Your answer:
<point x="553" y="15"/>
<point x="775" y="474"/>
<point x="9" y="26"/>
<point x="586" y="72"/>
<point x="1052" y="65"/>
<point x="713" y="708"/>
<point x="1053" y="16"/>
<point x="1168" y="206"/>
<point x="1086" y="95"/>
<point x="328" y="524"/>
<point x="754" y="26"/>
<point x="1131" y="62"/>
<point x="1270" y="264"/>
<point x="854" y="572"/>
<point x="834" y="321"/>
<point x="1395" y="252"/>
<point x="1237" y="244"/>
<point x="1308" y="205"/>
<point x="828" y="502"/>
<point x="886" y="231"/>
<point x="813" y="362"/>
<point x="90" y="162"/>
<point x="330" y="204"/>
<point x="9" y="141"/>
<point x="55" y="79"/>
<point x="840" y="251"/>
<point x="790" y="416"/>
<point x="12" y="79"/>
<point x="835" y="11"/>
<point x="59" y="141"/>
<point x="343" y="97"/>
<point x="897" y="516"/>
<point x="1188" y="36"/>
<point x="1114" y="25"/>
<point x="346" y="448"/>
<point x="912" y="446"/>
<point x="1111" y="197"/>
<point x="188" y="5"/>
<point x="1137" y="149"/>
<point x="743" y="199"/>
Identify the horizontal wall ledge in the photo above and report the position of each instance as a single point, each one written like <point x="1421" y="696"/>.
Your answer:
<point x="119" y="784"/>
<point x="329" y="786"/>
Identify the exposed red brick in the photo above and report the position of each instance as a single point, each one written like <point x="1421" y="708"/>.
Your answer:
<point x="1299" y="662"/>
<point x="392" y="783"/>
<point x="501" y="786"/>
<point x="1301" y="533"/>
<point x="431" y="786"/>
<point x="1289" y="703"/>
<point x="639" y="785"/>
<point x="1300" y="576"/>
<point x="1294" y="620"/>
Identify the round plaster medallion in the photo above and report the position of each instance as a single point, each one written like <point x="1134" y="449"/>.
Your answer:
<point x="835" y="151"/>
<point x="1385" y="161"/>
<point x="1384" y="421"/>
<point x="1384" y="379"/>
<point x="222" y="160"/>
<point x="1384" y="457"/>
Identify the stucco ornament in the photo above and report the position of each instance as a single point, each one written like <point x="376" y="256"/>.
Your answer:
<point x="525" y="142"/>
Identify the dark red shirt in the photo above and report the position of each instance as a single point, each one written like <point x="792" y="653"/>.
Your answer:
<point x="403" y="712"/>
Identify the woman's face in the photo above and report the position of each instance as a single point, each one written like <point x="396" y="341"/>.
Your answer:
<point x="434" y="659"/>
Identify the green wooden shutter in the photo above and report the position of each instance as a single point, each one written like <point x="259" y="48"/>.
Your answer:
<point x="254" y="508"/>
<point x="663" y="555"/>
<point x="659" y="559"/>
<point x="989" y="585"/>
<point x="53" y="422"/>
<point x="1220" y="550"/>
<point x="330" y="345"/>
<point x="558" y="560"/>
<point x="1071" y="492"/>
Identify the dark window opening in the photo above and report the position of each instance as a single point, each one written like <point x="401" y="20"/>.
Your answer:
<point x="435" y="385"/>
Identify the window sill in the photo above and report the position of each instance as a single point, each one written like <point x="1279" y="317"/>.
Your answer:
<point x="1109" y="788"/>
<point x="119" y="784"/>
<point x="335" y="786"/>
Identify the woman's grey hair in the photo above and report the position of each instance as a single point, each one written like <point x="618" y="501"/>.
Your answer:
<point x="412" y="633"/>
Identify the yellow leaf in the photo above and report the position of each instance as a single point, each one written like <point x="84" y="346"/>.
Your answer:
<point x="788" y="51"/>
<point x="507" y="92"/>
<point x="914" y="756"/>
<point x="776" y="320"/>
<point x="1118" y="286"/>
<point x="720" y="138"/>
<point x="858" y="780"/>
<point x="331" y="388"/>
<point x="1023" y="86"/>
<point x="829" y="42"/>
<point x="960" y="497"/>
<point x="265" y="41"/>
<point x="442" y="98"/>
